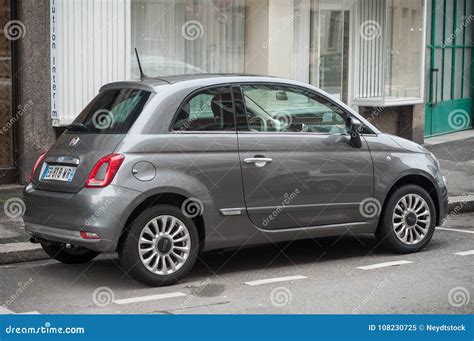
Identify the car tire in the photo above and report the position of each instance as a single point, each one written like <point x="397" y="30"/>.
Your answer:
<point x="398" y="229"/>
<point x="152" y="251"/>
<point x="76" y="255"/>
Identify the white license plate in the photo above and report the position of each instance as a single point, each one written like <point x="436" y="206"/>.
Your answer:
<point x="59" y="173"/>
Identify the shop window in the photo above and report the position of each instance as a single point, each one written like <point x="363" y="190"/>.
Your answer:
<point x="389" y="57"/>
<point x="364" y="52"/>
<point x="322" y="38"/>
<point x="188" y="36"/>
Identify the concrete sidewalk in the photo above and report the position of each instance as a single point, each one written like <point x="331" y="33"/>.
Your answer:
<point x="454" y="151"/>
<point x="14" y="242"/>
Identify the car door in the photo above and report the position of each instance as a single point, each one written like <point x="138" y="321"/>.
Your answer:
<point x="203" y="149"/>
<point x="298" y="166"/>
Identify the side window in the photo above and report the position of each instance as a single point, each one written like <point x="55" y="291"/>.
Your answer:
<point x="289" y="109"/>
<point x="208" y="110"/>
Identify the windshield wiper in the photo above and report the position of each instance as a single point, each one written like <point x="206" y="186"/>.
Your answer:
<point x="77" y="127"/>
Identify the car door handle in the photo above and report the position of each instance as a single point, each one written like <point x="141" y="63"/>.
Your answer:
<point x="258" y="161"/>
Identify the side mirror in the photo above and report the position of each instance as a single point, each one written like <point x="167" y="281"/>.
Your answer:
<point x="354" y="127"/>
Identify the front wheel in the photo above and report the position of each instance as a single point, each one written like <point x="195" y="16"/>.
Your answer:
<point x="73" y="255"/>
<point x="160" y="246"/>
<point x="408" y="220"/>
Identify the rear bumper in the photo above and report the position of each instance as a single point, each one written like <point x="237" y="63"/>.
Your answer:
<point x="63" y="236"/>
<point x="60" y="217"/>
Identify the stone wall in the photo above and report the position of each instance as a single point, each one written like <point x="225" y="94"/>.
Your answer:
<point x="406" y="121"/>
<point x="36" y="133"/>
<point x="6" y="139"/>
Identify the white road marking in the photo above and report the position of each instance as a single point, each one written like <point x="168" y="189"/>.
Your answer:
<point x="384" y="265"/>
<point x="148" y="298"/>
<point x="5" y="310"/>
<point x="275" y="280"/>
<point x="455" y="230"/>
<point x="465" y="253"/>
<point x="30" y="313"/>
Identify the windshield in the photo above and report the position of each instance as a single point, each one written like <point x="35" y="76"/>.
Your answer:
<point x="111" y="112"/>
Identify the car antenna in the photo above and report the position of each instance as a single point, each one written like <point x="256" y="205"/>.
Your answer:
<point x="142" y="75"/>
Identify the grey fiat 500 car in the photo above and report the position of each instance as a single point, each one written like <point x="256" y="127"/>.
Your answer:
<point x="160" y="170"/>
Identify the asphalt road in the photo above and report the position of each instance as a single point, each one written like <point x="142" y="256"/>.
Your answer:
<point x="315" y="276"/>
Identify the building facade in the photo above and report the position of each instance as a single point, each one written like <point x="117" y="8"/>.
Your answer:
<point x="404" y="64"/>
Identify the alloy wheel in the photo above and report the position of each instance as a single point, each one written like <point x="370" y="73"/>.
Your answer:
<point x="164" y="245"/>
<point x="411" y="219"/>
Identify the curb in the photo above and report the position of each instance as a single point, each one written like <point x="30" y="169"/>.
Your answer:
<point x="461" y="204"/>
<point x="21" y="252"/>
<point x="28" y="252"/>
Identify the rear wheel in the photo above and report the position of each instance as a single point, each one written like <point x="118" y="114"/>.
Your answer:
<point x="73" y="255"/>
<point x="160" y="246"/>
<point x="408" y="220"/>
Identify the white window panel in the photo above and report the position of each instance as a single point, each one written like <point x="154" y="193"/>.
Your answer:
<point x="390" y="52"/>
<point x="90" y="46"/>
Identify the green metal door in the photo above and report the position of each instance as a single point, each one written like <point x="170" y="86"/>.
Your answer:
<point x="449" y="105"/>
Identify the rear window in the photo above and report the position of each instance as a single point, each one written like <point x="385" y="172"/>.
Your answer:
<point x="111" y="112"/>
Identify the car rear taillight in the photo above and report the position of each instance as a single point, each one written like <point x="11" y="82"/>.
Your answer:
<point x="38" y="162"/>
<point x="104" y="170"/>
<point x="88" y="235"/>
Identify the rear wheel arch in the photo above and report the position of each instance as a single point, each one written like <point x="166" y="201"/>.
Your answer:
<point x="168" y="198"/>
<point x="419" y="180"/>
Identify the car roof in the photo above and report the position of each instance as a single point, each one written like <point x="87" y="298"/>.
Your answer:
<point x="195" y="76"/>
<point x="152" y="83"/>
